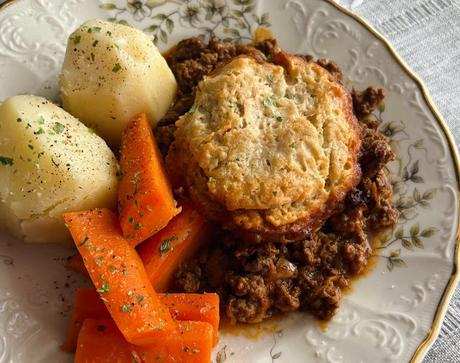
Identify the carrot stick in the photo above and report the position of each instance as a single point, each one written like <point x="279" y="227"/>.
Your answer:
<point x="75" y="263"/>
<point x="119" y="276"/>
<point x="145" y="200"/>
<point x="100" y="341"/>
<point x="88" y="304"/>
<point x="166" y="250"/>
<point x="193" y="307"/>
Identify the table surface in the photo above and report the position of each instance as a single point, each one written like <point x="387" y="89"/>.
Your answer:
<point x="426" y="33"/>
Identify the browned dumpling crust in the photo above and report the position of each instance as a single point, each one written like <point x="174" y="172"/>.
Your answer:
<point x="268" y="150"/>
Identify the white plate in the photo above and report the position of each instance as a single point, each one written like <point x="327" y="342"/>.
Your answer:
<point x="392" y="315"/>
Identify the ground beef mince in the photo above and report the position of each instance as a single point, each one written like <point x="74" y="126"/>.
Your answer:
<point x="256" y="281"/>
<point x="365" y="102"/>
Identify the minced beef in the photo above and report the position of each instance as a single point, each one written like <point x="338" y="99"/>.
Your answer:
<point x="256" y="281"/>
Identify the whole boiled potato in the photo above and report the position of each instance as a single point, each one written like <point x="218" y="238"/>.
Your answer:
<point x="112" y="72"/>
<point x="50" y="163"/>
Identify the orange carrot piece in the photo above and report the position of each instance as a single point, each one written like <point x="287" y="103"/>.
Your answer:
<point x="119" y="276"/>
<point x="100" y="341"/>
<point x="167" y="249"/>
<point x="193" y="307"/>
<point x="75" y="263"/>
<point x="191" y="343"/>
<point x="88" y="305"/>
<point x="145" y="200"/>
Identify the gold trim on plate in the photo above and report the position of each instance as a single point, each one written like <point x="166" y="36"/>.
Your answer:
<point x="455" y="277"/>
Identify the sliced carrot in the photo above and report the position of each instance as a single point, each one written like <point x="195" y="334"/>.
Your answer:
<point x="100" y="341"/>
<point x="75" y="263"/>
<point x="119" y="276"/>
<point x="191" y="343"/>
<point x="145" y="199"/>
<point x="193" y="307"/>
<point x="166" y="250"/>
<point x="88" y="305"/>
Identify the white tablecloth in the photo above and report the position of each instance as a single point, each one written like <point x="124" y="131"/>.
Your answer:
<point x="426" y="34"/>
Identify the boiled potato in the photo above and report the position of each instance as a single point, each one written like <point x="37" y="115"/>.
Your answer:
<point x="112" y="72"/>
<point x="50" y="163"/>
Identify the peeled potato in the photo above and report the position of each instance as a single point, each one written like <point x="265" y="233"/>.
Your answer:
<point x="111" y="73"/>
<point x="50" y="163"/>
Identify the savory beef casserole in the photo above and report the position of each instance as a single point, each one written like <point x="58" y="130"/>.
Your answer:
<point x="289" y="165"/>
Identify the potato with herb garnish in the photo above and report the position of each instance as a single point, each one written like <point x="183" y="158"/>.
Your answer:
<point x="50" y="163"/>
<point x="111" y="73"/>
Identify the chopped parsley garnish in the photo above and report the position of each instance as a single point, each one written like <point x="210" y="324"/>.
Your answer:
<point x="86" y="239"/>
<point x="279" y="118"/>
<point x="41" y="120"/>
<point x="90" y="130"/>
<point x="6" y="160"/>
<point x="39" y="131"/>
<point x="131" y="220"/>
<point x="138" y="226"/>
<point x="54" y="162"/>
<point x="125" y="272"/>
<point x="93" y="57"/>
<point x="166" y="247"/>
<point x="104" y="299"/>
<point x="58" y="127"/>
<point x="95" y="42"/>
<point x="31" y="147"/>
<point x="109" y="33"/>
<point x="270" y="79"/>
<point x="116" y="67"/>
<point x="140" y="299"/>
<point x="94" y="29"/>
<point x="19" y="119"/>
<point x="105" y="288"/>
<point x="112" y="268"/>
<point x="76" y="39"/>
<point x="126" y="308"/>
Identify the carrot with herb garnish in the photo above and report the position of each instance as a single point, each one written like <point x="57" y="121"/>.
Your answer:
<point x="193" y="307"/>
<point x="119" y="276"/>
<point x="145" y="200"/>
<point x="166" y="250"/>
<point x="100" y="341"/>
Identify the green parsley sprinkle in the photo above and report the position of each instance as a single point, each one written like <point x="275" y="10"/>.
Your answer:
<point x="6" y="161"/>
<point x="112" y="268"/>
<point x="116" y="67"/>
<point x="19" y="119"/>
<point x="86" y="239"/>
<point x="58" y="127"/>
<point x="104" y="288"/>
<point x="279" y="119"/>
<point x="166" y="247"/>
<point x="138" y="226"/>
<point x="131" y="220"/>
<point x="125" y="272"/>
<point x="90" y="130"/>
<point x="30" y="146"/>
<point x="104" y="299"/>
<point x="76" y="39"/>
<point x="94" y="29"/>
<point x="140" y="299"/>
<point x="126" y="308"/>
<point x="41" y="120"/>
<point x="39" y="131"/>
<point x="95" y="42"/>
<point x="93" y="57"/>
